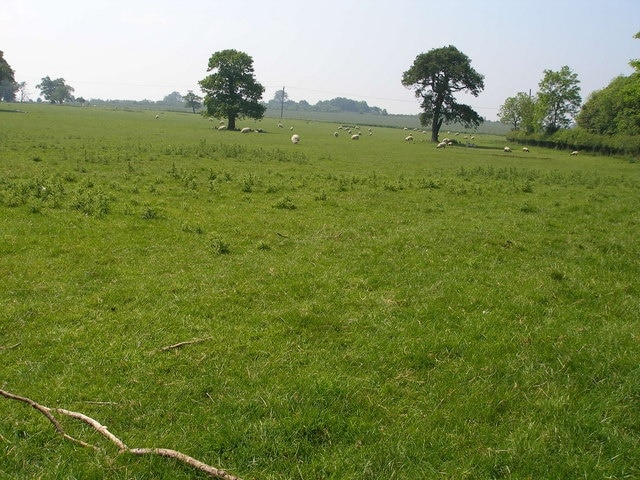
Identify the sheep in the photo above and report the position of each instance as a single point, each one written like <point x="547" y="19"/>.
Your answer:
<point x="295" y="139"/>
<point x="525" y="149"/>
<point x="575" y="152"/>
<point x="408" y="138"/>
<point x="245" y="130"/>
<point x="157" y="117"/>
<point x="355" y="137"/>
<point x="507" y="149"/>
<point x="222" y="127"/>
<point x="291" y="128"/>
<point x="280" y="125"/>
<point x="335" y="134"/>
<point x="442" y="145"/>
<point x="221" y="122"/>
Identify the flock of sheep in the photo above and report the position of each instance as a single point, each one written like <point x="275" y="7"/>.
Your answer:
<point x="349" y="130"/>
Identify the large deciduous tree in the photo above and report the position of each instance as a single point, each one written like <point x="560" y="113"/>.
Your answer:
<point x="232" y="91"/>
<point x="436" y="76"/>
<point x="55" y="91"/>
<point x="559" y="98"/>
<point x="8" y="85"/>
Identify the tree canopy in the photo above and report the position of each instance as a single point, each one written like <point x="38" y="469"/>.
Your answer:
<point x="55" y="91"/>
<point x="8" y="85"/>
<point x="436" y="76"/>
<point x="232" y="91"/>
<point x="559" y="98"/>
<point x="519" y="112"/>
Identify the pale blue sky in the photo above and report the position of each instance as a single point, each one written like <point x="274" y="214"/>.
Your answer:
<point x="146" y="49"/>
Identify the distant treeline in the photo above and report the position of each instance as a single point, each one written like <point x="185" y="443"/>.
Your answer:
<point x="336" y="105"/>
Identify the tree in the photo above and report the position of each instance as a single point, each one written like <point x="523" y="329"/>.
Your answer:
<point x="232" y="91"/>
<point x="174" y="98"/>
<point x="615" y="109"/>
<point x="519" y="112"/>
<point x="55" y="90"/>
<point x="192" y="101"/>
<point x="436" y="76"/>
<point x="8" y="85"/>
<point x="559" y="98"/>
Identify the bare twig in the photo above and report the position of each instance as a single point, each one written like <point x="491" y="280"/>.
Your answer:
<point x="163" y="452"/>
<point x="9" y="347"/>
<point x="182" y="344"/>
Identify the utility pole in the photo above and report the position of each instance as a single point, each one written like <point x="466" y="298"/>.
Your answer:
<point x="282" y="103"/>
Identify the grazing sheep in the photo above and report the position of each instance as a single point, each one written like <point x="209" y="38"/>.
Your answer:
<point x="442" y="145"/>
<point x="222" y="127"/>
<point x="291" y="128"/>
<point x="335" y="134"/>
<point x="507" y="149"/>
<point x="575" y="152"/>
<point x="280" y="125"/>
<point x="295" y="139"/>
<point x="408" y="138"/>
<point x="245" y="130"/>
<point x="221" y="122"/>
<point x="355" y="137"/>
<point x="157" y="117"/>
<point x="525" y="149"/>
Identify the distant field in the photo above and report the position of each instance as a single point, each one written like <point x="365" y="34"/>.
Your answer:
<point x="359" y="309"/>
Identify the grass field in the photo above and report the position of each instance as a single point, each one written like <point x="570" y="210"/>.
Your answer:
<point x="362" y="309"/>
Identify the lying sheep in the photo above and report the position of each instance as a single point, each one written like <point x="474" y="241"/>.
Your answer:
<point x="295" y="139"/>
<point x="507" y="149"/>
<point x="442" y="145"/>
<point x="222" y="127"/>
<point x="355" y="137"/>
<point x="245" y="130"/>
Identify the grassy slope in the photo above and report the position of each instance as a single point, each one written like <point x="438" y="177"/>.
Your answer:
<point x="377" y="309"/>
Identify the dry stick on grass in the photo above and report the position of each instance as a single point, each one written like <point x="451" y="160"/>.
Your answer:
<point x="182" y="344"/>
<point x="163" y="452"/>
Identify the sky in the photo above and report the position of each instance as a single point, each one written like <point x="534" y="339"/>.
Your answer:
<point x="359" y="49"/>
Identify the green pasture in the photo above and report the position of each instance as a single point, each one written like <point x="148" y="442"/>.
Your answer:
<point x="370" y="309"/>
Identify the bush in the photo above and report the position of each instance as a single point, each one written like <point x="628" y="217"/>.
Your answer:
<point x="580" y="139"/>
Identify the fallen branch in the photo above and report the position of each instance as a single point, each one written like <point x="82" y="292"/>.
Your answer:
<point x="182" y="344"/>
<point x="122" y="447"/>
<point x="2" y="347"/>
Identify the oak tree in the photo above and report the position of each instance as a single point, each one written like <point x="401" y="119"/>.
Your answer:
<point x="231" y="90"/>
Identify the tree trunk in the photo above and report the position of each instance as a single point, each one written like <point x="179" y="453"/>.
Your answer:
<point x="435" y="128"/>
<point x="232" y="122"/>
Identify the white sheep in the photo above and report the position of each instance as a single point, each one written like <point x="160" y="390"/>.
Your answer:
<point x="245" y="130"/>
<point x="157" y="117"/>
<point x="575" y="152"/>
<point x="408" y="138"/>
<point x="507" y="149"/>
<point x="442" y="145"/>
<point x="525" y="149"/>
<point x="355" y="137"/>
<point x="222" y="127"/>
<point x="335" y="134"/>
<point x="295" y="139"/>
<point x="280" y="125"/>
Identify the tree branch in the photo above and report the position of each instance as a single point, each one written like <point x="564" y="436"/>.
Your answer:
<point x="163" y="452"/>
<point x="182" y="344"/>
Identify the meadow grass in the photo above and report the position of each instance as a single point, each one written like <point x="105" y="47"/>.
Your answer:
<point x="369" y="309"/>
